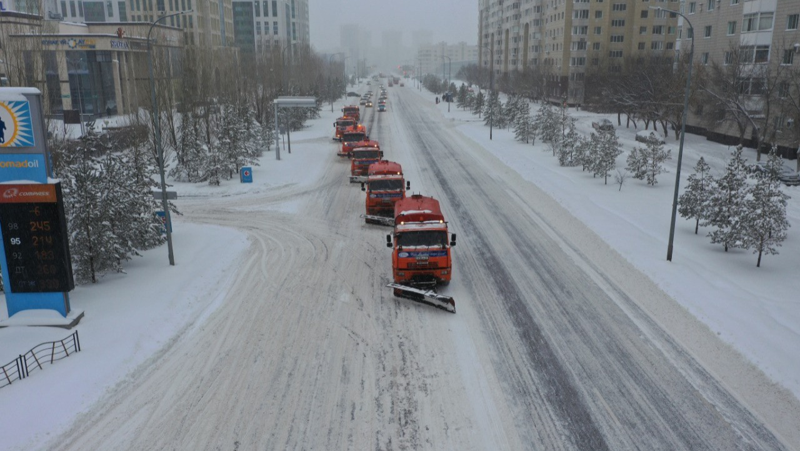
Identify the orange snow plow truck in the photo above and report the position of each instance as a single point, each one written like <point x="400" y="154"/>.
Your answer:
<point x="351" y="138"/>
<point x="421" y="257"/>
<point x="360" y="160"/>
<point x="352" y="111"/>
<point x="384" y="187"/>
<point x="341" y="125"/>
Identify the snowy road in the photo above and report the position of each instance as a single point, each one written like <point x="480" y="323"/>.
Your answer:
<point x="550" y="348"/>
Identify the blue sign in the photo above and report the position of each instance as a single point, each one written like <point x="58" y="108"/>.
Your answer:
<point x="16" y="127"/>
<point x="23" y="166"/>
<point x="166" y="220"/>
<point x="246" y="174"/>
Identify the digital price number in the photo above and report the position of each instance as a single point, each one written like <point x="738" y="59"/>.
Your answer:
<point x="35" y="238"/>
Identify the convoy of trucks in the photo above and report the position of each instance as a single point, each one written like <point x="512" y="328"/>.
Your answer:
<point x="420" y="241"/>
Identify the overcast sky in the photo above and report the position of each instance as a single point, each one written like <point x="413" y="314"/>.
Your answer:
<point x="449" y="20"/>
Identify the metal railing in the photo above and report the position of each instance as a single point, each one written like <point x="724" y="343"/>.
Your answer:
<point x="35" y="359"/>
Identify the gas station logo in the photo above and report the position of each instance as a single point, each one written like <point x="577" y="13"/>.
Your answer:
<point x="16" y="129"/>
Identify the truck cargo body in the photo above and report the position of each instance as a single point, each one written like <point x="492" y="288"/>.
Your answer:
<point x="421" y="252"/>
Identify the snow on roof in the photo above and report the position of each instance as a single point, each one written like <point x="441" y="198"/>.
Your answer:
<point x="417" y="226"/>
<point x="17" y="92"/>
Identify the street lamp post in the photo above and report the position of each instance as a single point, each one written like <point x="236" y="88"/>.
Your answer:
<point x="288" y="80"/>
<point x="449" y="74"/>
<point x="683" y="132"/>
<point x="157" y="129"/>
<point x="491" y="85"/>
<point x="330" y="58"/>
<point x="80" y="101"/>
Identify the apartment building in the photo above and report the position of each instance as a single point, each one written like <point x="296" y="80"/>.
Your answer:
<point x="565" y="39"/>
<point x="262" y="25"/>
<point x="766" y="35"/>
<point x="432" y="58"/>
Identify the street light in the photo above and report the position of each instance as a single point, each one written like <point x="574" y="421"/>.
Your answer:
<point x="683" y="132"/>
<point x="330" y="58"/>
<point x="157" y="125"/>
<point x="449" y="74"/>
<point x="80" y="100"/>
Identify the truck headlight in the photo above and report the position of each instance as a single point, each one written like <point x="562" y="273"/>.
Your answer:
<point x="444" y="273"/>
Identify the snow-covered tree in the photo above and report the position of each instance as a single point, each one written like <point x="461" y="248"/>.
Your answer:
<point x="546" y="122"/>
<point x="512" y="109"/>
<point x="477" y="106"/>
<point x="637" y="163"/>
<point x="581" y="154"/>
<point x="656" y="156"/>
<point x="607" y="150"/>
<point x="566" y="141"/>
<point x="693" y="201"/>
<point x="461" y="98"/>
<point x="764" y="224"/>
<point x="493" y="111"/>
<point x="523" y="125"/>
<point x="726" y="207"/>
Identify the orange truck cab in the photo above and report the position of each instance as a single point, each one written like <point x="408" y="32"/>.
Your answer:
<point x="341" y="125"/>
<point x="360" y="160"/>
<point x="421" y="255"/>
<point x="352" y="111"/>
<point x="351" y="138"/>
<point x="385" y="186"/>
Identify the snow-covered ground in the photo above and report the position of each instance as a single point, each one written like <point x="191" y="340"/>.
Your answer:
<point x="757" y="310"/>
<point x="131" y="317"/>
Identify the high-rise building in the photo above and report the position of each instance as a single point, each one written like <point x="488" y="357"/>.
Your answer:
<point x="261" y="25"/>
<point x="442" y="57"/>
<point x="566" y="37"/>
<point x="761" y="37"/>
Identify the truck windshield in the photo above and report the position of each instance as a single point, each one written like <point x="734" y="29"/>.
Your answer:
<point x="386" y="185"/>
<point x="344" y="124"/>
<point x="353" y="137"/>
<point x="366" y="154"/>
<point x="423" y="238"/>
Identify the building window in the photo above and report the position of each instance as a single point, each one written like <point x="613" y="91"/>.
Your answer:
<point x="72" y="9"/>
<point x="80" y="8"/>
<point x="619" y="7"/>
<point x="598" y="30"/>
<point x="618" y="23"/>
<point x="123" y="13"/>
<point x="275" y="27"/>
<point x="791" y="21"/>
<point x="617" y="38"/>
<point x="710" y="6"/>
<point x="64" y="8"/>
<point x="258" y="28"/>
<point x="692" y="7"/>
<point x="731" y="27"/>
<point x="258" y="8"/>
<point x="788" y="57"/>
<point x="642" y="30"/>
<point x="615" y="54"/>
<point x="754" y="54"/>
<point x="641" y="46"/>
<point x="644" y="14"/>
<point x="658" y="29"/>
<point x="580" y="14"/>
<point x="596" y="46"/>
<point x="274" y="9"/>
<point x="707" y="31"/>
<point x="670" y="30"/>
<point x="704" y="58"/>
<point x="598" y="14"/>
<point x="734" y="2"/>
<point x="657" y="45"/>
<point x="670" y="45"/>
<point x="728" y="58"/>
<point x="690" y="33"/>
<point x="757" y="22"/>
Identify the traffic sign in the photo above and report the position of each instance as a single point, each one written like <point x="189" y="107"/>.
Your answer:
<point x="246" y="174"/>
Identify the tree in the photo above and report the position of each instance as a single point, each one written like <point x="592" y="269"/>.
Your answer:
<point x="764" y="223"/>
<point x="608" y="149"/>
<point x="726" y="207"/>
<point x="637" y="163"/>
<point x="461" y="98"/>
<point x="493" y="111"/>
<point x="693" y="201"/>
<point x="523" y="126"/>
<point x="546" y="122"/>
<point x="656" y="156"/>
<point x="566" y="142"/>
<point x="477" y="107"/>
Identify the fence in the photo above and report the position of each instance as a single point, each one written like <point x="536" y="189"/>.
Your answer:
<point x="35" y="359"/>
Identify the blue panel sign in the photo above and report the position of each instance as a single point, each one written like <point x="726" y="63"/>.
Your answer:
<point x="166" y="220"/>
<point x="22" y="166"/>
<point x="16" y="127"/>
<point x="246" y="174"/>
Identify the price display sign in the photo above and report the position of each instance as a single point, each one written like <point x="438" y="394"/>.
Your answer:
<point x="35" y="238"/>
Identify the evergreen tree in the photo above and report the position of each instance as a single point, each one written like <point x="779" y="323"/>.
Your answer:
<point x="692" y="202"/>
<point x="637" y="163"/>
<point x="493" y="111"/>
<point x="213" y="165"/>
<point x="726" y="208"/>
<point x="608" y="149"/>
<point x="764" y="222"/>
<point x="461" y="99"/>
<point x="477" y="107"/>
<point x="582" y="152"/>
<point x="566" y="142"/>
<point x="546" y="122"/>
<point x="523" y="125"/>
<point x="656" y="156"/>
<point x="511" y="110"/>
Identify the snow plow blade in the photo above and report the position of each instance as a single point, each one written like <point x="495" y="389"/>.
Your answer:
<point x="342" y="154"/>
<point x="358" y="178"/>
<point x="429" y="297"/>
<point x="379" y="220"/>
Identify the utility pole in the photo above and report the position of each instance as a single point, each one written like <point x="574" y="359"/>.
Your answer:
<point x="491" y="86"/>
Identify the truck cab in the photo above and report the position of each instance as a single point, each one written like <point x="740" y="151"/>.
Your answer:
<point x="360" y="160"/>
<point x="421" y="249"/>
<point x="385" y="186"/>
<point x="352" y="111"/>
<point x="351" y="137"/>
<point x="341" y="125"/>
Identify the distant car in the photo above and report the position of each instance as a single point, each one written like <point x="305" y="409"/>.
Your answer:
<point x="603" y="125"/>
<point x="402" y="84"/>
<point x="362" y="102"/>
<point x="381" y="107"/>
<point x="785" y="175"/>
<point x="382" y="102"/>
<point x="646" y="135"/>
<point x="353" y="94"/>
<point x="369" y="104"/>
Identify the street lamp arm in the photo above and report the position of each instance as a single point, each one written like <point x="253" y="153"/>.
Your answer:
<point x="150" y="30"/>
